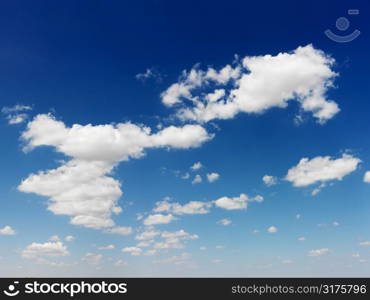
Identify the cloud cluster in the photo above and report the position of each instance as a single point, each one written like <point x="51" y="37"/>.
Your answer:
<point x="16" y="114"/>
<point x="81" y="187"/>
<point x="190" y="208"/>
<point x="50" y="249"/>
<point x="255" y="85"/>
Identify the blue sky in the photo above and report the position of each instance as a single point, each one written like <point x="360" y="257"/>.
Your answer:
<point x="126" y="197"/>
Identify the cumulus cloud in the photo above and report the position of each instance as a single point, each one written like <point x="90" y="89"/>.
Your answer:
<point x="82" y="187"/>
<point x="120" y="263"/>
<point x="212" y="177"/>
<point x="321" y="169"/>
<point x="197" y="179"/>
<point x="7" y="230"/>
<point x="177" y="259"/>
<point x="69" y="238"/>
<point x="158" y="219"/>
<point x="232" y="203"/>
<point x="272" y="229"/>
<point x="255" y="85"/>
<point x="147" y="235"/>
<point x="54" y="238"/>
<point x="224" y="222"/>
<point x="121" y="230"/>
<point x="107" y="247"/>
<point x="51" y="249"/>
<point x="269" y="180"/>
<point x="190" y="208"/>
<point x="134" y="251"/>
<point x="318" y="252"/>
<point x="367" y="243"/>
<point x="367" y="177"/>
<point x="174" y="240"/>
<point x="196" y="166"/>
<point x="93" y="259"/>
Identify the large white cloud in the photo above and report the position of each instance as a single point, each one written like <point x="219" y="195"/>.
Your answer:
<point x="108" y="143"/>
<point x="51" y="249"/>
<point x="255" y="85"/>
<point x="321" y="169"/>
<point x="81" y="187"/>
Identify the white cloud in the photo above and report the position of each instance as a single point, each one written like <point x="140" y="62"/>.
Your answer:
<point x="7" y="230"/>
<point x="367" y="243"/>
<point x="159" y="219"/>
<point x="224" y="222"/>
<point x="258" y="83"/>
<point x="318" y="252"/>
<point x="190" y="208"/>
<point x="367" y="177"/>
<point x="147" y="235"/>
<point x="15" y="108"/>
<point x="17" y="118"/>
<point x="51" y="249"/>
<point x="149" y="73"/>
<point x="220" y="247"/>
<point x="182" y="234"/>
<point x="335" y="224"/>
<point x="54" y="238"/>
<point x="212" y="177"/>
<point x="202" y="248"/>
<point x="269" y="180"/>
<point x="121" y="230"/>
<point x="257" y="198"/>
<point x="301" y="239"/>
<point x="120" y="263"/>
<point x="15" y="114"/>
<point x="197" y="179"/>
<point x="144" y="244"/>
<point x="232" y="203"/>
<point x="196" y="166"/>
<point x="93" y="259"/>
<point x="177" y="259"/>
<point x="69" y="238"/>
<point x="134" y="251"/>
<point x="174" y="240"/>
<point x="151" y="252"/>
<point x="185" y="176"/>
<point x="321" y="169"/>
<point x="82" y="188"/>
<point x="272" y="229"/>
<point x="107" y="247"/>
<point x="286" y="261"/>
